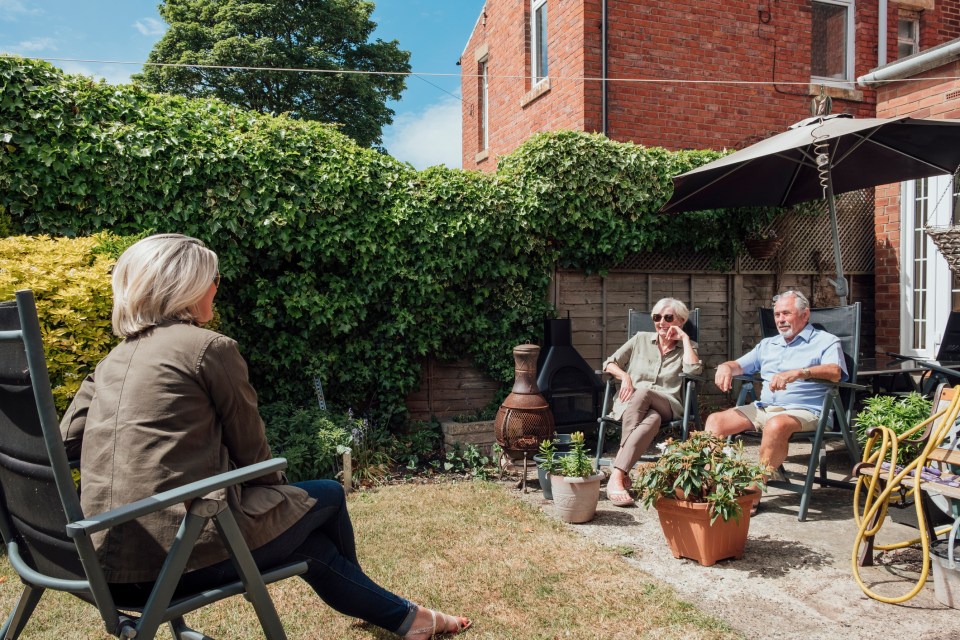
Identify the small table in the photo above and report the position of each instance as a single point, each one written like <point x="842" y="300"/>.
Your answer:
<point x="886" y="375"/>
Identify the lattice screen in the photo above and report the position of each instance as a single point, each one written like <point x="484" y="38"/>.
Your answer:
<point x="807" y="247"/>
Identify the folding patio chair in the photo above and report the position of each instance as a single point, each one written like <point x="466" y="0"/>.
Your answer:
<point x="838" y="402"/>
<point x="638" y="321"/>
<point x="50" y="547"/>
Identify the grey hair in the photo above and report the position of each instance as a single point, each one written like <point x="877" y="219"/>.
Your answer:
<point x="160" y="279"/>
<point x="802" y="303"/>
<point x="678" y="308"/>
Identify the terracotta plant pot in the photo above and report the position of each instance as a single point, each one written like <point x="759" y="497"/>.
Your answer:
<point x="576" y="498"/>
<point x="687" y="528"/>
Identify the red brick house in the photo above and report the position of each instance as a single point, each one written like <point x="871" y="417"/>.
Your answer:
<point x="698" y="74"/>
<point x="915" y="289"/>
<point x="538" y="65"/>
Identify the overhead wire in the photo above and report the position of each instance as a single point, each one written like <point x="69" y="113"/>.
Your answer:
<point x="423" y="74"/>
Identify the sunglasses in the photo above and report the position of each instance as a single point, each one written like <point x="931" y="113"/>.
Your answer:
<point x="216" y="280"/>
<point x="657" y="317"/>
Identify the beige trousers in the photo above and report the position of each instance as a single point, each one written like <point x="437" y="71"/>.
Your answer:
<point x="640" y="425"/>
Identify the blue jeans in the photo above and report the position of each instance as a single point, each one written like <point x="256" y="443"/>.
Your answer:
<point x="323" y="538"/>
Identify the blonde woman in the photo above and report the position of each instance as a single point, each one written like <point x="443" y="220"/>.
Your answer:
<point x="648" y="366"/>
<point x="172" y="404"/>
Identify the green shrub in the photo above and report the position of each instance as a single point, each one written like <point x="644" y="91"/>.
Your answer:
<point x="70" y="279"/>
<point x="899" y="414"/>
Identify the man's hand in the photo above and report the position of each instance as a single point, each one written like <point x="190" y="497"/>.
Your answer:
<point x="724" y="377"/>
<point x="780" y="380"/>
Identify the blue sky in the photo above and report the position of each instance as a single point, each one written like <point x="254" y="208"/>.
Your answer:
<point x="426" y="128"/>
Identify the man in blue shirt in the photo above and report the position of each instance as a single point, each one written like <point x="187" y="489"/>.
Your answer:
<point x="788" y="364"/>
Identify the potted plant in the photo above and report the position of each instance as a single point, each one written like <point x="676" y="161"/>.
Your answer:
<point x="703" y="489"/>
<point x="575" y="483"/>
<point x="899" y="414"/>
<point x="763" y="244"/>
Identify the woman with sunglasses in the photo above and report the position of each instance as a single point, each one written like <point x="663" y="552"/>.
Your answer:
<point x="648" y="366"/>
<point x="171" y="404"/>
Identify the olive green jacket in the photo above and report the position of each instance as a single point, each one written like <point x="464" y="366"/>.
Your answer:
<point x="165" y="408"/>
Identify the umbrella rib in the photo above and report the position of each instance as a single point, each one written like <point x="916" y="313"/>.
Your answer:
<point x="733" y="169"/>
<point x="898" y="151"/>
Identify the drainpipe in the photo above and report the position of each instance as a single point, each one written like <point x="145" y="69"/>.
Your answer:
<point x="603" y="65"/>
<point x="912" y="65"/>
<point x="882" y="34"/>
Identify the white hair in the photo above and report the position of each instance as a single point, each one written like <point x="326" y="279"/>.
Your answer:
<point x="678" y="307"/>
<point x="800" y="300"/>
<point x="159" y="279"/>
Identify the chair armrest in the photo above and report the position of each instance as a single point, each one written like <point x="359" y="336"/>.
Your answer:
<point x="745" y="378"/>
<point x="693" y="376"/>
<point x="166" y="499"/>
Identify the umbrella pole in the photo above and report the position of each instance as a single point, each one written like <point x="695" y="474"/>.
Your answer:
<point x="840" y="284"/>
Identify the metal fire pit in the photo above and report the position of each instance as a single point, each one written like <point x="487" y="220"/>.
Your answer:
<point x="524" y="419"/>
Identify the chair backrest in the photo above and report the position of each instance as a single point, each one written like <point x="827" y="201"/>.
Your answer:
<point x="32" y="510"/>
<point x="640" y="321"/>
<point x="949" y="350"/>
<point x="843" y="322"/>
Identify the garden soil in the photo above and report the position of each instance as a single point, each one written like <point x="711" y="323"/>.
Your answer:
<point x="795" y="579"/>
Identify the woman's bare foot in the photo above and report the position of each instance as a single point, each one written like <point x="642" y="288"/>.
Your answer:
<point x="428" y="623"/>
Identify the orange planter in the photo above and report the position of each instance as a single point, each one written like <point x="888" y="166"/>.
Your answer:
<point x="687" y="528"/>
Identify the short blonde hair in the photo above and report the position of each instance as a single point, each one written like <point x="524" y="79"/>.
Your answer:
<point x="160" y="279"/>
<point x="678" y="307"/>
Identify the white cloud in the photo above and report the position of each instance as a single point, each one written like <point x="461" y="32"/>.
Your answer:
<point x="10" y="10"/>
<point x="428" y="138"/>
<point x="149" y="26"/>
<point x="37" y="44"/>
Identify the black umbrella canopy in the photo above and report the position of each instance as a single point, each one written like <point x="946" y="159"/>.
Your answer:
<point x="783" y="170"/>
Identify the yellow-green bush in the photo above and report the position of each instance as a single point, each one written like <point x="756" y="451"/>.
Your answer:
<point x="70" y="279"/>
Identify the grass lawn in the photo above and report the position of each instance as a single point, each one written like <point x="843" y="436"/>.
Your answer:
<point x="468" y="548"/>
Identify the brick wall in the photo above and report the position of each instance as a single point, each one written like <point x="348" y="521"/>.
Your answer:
<point x="922" y="98"/>
<point x="655" y="40"/>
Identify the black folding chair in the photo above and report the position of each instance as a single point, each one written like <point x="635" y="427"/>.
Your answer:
<point x="638" y="321"/>
<point x="50" y="547"/>
<point x="839" y="399"/>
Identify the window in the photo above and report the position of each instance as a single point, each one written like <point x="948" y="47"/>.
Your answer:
<point x="538" y="39"/>
<point x="908" y="37"/>
<point x="831" y="46"/>
<point x="484" y="102"/>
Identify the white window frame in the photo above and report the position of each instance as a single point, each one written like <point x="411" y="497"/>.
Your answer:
<point x="484" y="104"/>
<point x="914" y="41"/>
<point x="927" y="302"/>
<point x="536" y="61"/>
<point x="849" y="45"/>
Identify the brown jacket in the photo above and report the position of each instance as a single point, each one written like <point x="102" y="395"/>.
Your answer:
<point x="165" y="408"/>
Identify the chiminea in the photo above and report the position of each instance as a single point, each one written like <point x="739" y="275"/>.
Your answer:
<point x="524" y="419"/>
<point x="568" y="383"/>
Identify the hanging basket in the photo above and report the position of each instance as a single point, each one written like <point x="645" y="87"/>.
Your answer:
<point x="762" y="248"/>
<point x="947" y="240"/>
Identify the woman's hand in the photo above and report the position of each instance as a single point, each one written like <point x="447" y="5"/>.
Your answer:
<point x="626" y="389"/>
<point x="676" y="333"/>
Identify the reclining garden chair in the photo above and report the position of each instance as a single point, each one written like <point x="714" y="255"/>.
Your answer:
<point x="637" y="321"/>
<point x="838" y="402"/>
<point x="930" y="476"/>
<point x="47" y="537"/>
<point x="943" y="369"/>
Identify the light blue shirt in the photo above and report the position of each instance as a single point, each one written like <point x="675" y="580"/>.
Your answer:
<point x="808" y="348"/>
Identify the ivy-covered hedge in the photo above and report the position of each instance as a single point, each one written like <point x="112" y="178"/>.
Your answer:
<point x="339" y="262"/>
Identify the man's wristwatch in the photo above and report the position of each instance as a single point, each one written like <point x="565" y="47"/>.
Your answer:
<point x="805" y="373"/>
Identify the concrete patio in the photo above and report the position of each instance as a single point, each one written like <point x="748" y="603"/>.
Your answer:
<point x="795" y="580"/>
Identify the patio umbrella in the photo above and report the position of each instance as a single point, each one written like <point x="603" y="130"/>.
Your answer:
<point x="817" y="158"/>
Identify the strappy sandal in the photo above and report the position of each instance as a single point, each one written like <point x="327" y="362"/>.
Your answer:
<point x="620" y="498"/>
<point x="462" y="625"/>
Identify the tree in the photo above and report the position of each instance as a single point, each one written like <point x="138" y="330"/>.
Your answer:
<point x="323" y="35"/>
